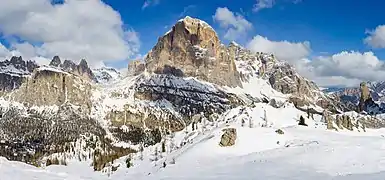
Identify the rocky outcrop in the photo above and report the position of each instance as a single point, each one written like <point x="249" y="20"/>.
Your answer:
<point x="279" y="131"/>
<point x="285" y="79"/>
<point x="13" y="72"/>
<point x="48" y="87"/>
<point x="229" y="137"/>
<point x="136" y="67"/>
<point x="192" y="48"/>
<point x="364" y="96"/>
<point x="344" y="121"/>
<point x="82" y="69"/>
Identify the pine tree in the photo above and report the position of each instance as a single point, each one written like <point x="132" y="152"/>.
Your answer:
<point x="128" y="162"/>
<point x="163" y="147"/>
<point x="302" y="121"/>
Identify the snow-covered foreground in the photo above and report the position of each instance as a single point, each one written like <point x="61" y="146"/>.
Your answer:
<point x="302" y="153"/>
<point x="259" y="153"/>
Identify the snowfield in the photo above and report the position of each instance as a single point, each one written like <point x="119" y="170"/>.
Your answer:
<point x="259" y="153"/>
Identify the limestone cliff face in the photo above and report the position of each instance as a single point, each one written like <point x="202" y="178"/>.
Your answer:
<point x="192" y="48"/>
<point x="47" y="87"/>
<point x="135" y="67"/>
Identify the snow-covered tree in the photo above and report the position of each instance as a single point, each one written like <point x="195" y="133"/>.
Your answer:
<point x="251" y="123"/>
<point x="265" y="122"/>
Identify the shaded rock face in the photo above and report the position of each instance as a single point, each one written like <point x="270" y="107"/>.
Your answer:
<point x="176" y="101"/>
<point x="189" y="96"/>
<point x="192" y="48"/>
<point x="13" y="72"/>
<point x="82" y="69"/>
<point x="229" y="137"/>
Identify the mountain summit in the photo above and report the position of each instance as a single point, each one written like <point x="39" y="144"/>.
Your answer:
<point x="192" y="48"/>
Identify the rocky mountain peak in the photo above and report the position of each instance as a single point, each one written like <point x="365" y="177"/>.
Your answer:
<point x="82" y="69"/>
<point x="192" y="48"/>
<point x="68" y="66"/>
<point x="83" y="63"/>
<point x="13" y="72"/>
<point x="55" y="61"/>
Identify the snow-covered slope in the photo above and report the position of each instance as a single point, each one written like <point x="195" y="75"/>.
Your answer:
<point x="259" y="153"/>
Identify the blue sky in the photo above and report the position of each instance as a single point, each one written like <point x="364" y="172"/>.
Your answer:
<point x="330" y="26"/>
<point x="322" y="39"/>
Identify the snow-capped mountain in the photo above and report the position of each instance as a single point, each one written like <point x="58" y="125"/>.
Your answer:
<point x="106" y="74"/>
<point x="189" y="87"/>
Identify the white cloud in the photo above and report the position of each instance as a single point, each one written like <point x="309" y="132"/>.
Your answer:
<point x="235" y="24"/>
<point x="266" y="4"/>
<point x="341" y="69"/>
<point x="285" y="50"/>
<point x="73" y="30"/>
<point x="376" y="38"/>
<point x="148" y="3"/>
<point x="26" y="50"/>
<point x="263" y="4"/>
<point x="349" y="65"/>
<point x="4" y="52"/>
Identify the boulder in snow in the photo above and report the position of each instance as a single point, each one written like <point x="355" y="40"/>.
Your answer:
<point x="228" y="138"/>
